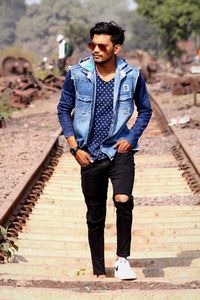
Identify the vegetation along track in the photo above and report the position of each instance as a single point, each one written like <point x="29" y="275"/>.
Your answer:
<point x="47" y="214"/>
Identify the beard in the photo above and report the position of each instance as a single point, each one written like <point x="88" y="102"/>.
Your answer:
<point x="101" y="61"/>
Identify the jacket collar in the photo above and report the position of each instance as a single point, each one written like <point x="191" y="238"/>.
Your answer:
<point x="88" y="64"/>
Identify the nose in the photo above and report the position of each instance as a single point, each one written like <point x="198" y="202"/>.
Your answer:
<point x="96" y="49"/>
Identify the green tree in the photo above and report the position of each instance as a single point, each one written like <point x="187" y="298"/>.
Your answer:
<point x="174" y="19"/>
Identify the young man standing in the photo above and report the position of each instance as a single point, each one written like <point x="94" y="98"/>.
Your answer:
<point x="65" y="50"/>
<point x="102" y="90"/>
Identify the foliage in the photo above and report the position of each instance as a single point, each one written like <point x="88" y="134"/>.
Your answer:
<point x="10" y="12"/>
<point x="5" y="108"/>
<point x="174" y="19"/>
<point x="96" y="11"/>
<point x="36" y="26"/>
<point x="71" y="18"/>
<point x="143" y="35"/>
<point x="81" y="272"/>
<point x="43" y="22"/>
<point x="8" y="244"/>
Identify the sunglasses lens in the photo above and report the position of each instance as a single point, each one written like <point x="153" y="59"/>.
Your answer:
<point x="91" y="46"/>
<point x="101" y="47"/>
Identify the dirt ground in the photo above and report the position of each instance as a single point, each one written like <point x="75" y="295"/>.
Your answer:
<point x="98" y="286"/>
<point x="182" y="114"/>
<point x="28" y="131"/>
<point x="23" y="139"/>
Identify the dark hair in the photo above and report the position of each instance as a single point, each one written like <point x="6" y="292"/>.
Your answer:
<point x="110" y="28"/>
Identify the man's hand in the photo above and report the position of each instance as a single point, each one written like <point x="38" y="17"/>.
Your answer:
<point x="83" y="158"/>
<point x="123" y="146"/>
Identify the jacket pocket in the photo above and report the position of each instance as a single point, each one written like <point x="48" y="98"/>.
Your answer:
<point x="125" y="102"/>
<point x="83" y="104"/>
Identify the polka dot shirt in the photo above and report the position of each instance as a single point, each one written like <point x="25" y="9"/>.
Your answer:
<point x="102" y="117"/>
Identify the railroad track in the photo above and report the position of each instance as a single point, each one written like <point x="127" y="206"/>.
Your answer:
<point x="53" y="261"/>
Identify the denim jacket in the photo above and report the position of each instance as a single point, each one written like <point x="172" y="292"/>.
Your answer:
<point x="83" y="76"/>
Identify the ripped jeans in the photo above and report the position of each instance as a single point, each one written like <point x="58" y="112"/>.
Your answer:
<point x="95" y="177"/>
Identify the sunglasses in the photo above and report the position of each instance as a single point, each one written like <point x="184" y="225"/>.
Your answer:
<point x="101" y="47"/>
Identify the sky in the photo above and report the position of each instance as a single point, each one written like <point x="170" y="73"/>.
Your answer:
<point x="32" y="1"/>
<point x="132" y="6"/>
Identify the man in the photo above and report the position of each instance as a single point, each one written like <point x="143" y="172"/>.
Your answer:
<point x="103" y="89"/>
<point x="65" y="50"/>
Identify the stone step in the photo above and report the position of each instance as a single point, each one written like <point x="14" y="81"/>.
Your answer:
<point x="138" y="239"/>
<point x="85" y="253"/>
<point x="62" y="209"/>
<point x="148" y="212"/>
<point x="77" y="224"/>
<point x="73" y="245"/>
<point x="60" y="217"/>
<point x="110" y="238"/>
<point x="145" y="210"/>
<point x="62" y="272"/>
<point x="86" y="261"/>
<point x="156" y="232"/>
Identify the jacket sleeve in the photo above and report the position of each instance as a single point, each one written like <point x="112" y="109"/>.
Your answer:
<point x="144" y="110"/>
<point x="66" y="106"/>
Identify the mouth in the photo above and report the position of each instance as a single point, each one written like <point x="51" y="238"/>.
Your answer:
<point x="96" y="56"/>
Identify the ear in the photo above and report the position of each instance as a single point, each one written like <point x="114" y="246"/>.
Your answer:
<point x="117" y="48"/>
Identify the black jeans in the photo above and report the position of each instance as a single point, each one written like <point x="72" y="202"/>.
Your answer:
<point x="95" y="178"/>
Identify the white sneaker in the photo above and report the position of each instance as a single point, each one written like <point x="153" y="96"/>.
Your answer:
<point x="123" y="270"/>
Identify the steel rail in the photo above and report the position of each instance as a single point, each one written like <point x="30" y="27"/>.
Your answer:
<point x="25" y="185"/>
<point x="186" y="148"/>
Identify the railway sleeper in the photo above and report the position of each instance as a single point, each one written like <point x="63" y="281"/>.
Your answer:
<point x="13" y="231"/>
<point x="188" y="173"/>
<point x="16" y="225"/>
<point x="20" y="219"/>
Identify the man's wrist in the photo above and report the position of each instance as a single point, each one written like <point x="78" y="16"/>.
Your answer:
<point x="74" y="150"/>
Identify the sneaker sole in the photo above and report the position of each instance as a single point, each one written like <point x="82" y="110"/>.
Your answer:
<point x="124" y="278"/>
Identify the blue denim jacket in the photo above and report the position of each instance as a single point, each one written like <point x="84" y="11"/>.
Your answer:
<point x="83" y="76"/>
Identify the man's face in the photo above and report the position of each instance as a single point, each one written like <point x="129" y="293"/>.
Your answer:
<point x="102" y="48"/>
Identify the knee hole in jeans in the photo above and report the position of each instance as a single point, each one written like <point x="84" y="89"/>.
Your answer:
<point x="121" y="198"/>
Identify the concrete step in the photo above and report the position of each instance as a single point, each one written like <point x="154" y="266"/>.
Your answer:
<point x="139" y="238"/>
<point x="181" y="211"/>
<point x="77" y="224"/>
<point x="193" y="261"/>
<point x="60" y="272"/>
<point x="77" y="232"/>
<point x="60" y="217"/>
<point x="75" y="245"/>
<point x="144" y="254"/>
